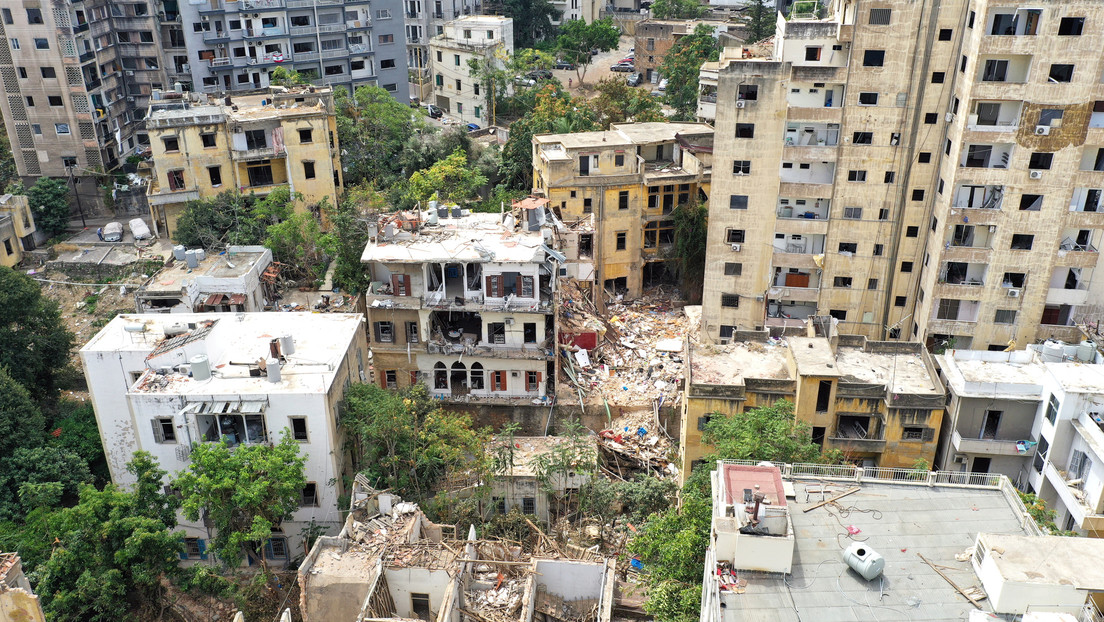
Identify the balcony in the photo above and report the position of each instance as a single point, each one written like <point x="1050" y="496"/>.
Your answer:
<point x="359" y="48"/>
<point x="955" y="310"/>
<point x="812" y="135"/>
<point x="859" y="445"/>
<point x="1007" y="69"/>
<point x="263" y="33"/>
<point x="255" y="5"/>
<point x="991" y="447"/>
<point x="994" y="116"/>
<point x="257" y="153"/>
<point x="163" y="196"/>
<point x="216" y="36"/>
<point x="807" y="173"/>
<point x="220" y="62"/>
<point x="986" y="197"/>
<point x="1075" y="296"/>
<point x="358" y="24"/>
<point x="986" y="156"/>
<point x="338" y="53"/>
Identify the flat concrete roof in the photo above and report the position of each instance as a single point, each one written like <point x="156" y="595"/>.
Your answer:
<point x="730" y="364"/>
<point x="625" y="134"/>
<point x="1078" y="377"/>
<point x="814" y="356"/>
<point x="900" y="373"/>
<point x="458" y="240"/>
<point x="1048" y="560"/>
<point x="764" y="479"/>
<point x="585" y="139"/>
<point x="233" y="263"/>
<point x="992" y="375"/>
<point x="896" y="521"/>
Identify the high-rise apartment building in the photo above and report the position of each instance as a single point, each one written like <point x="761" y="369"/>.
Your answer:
<point x="77" y="78"/>
<point x="235" y="45"/>
<point x="481" y="38"/>
<point x="914" y="172"/>
<point x="426" y="19"/>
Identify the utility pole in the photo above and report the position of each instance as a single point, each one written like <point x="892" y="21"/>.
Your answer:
<point x="73" y="184"/>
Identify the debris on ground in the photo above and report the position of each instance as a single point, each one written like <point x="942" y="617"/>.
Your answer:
<point x="635" y="441"/>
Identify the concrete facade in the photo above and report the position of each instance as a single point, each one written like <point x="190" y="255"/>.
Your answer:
<point x="230" y="281"/>
<point x="482" y="38"/>
<point x="655" y="37"/>
<point x="628" y="180"/>
<point x="18" y="603"/>
<point x="146" y="379"/>
<point x="426" y="19"/>
<point x="923" y="163"/>
<point x="17" y="229"/>
<point x="253" y="144"/>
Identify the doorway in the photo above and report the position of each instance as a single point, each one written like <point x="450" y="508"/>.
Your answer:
<point x="991" y="425"/>
<point x="824" y="393"/>
<point x="981" y="465"/>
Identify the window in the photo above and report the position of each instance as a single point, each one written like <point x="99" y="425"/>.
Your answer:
<point x="529" y="505"/>
<point x="1061" y="72"/>
<point x="938" y="77"/>
<point x="309" y="495"/>
<point x="621" y="237"/>
<point x="1022" y="242"/>
<point x="889" y="177"/>
<point x="868" y="99"/>
<point x="931" y="118"/>
<point x="1040" y="161"/>
<point x="734" y="236"/>
<point x="459" y="86"/>
<point x="856" y="175"/>
<point x="1031" y="202"/>
<point x="863" y="138"/>
<point x="748" y="92"/>
<point x="532" y="381"/>
<point x="1005" y="316"/>
<point x="14" y="44"/>
<point x="498" y="381"/>
<point x="873" y="58"/>
<point x="255" y="139"/>
<point x="54" y="100"/>
<point x="1052" y="409"/>
<point x="299" y="428"/>
<point x="308" y="169"/>
<point x="924" y="157"/>
<point x="883" y="214"/>
<point x="839" y="314"/>
<point x="733" y="269"/>
<point x="730" y="300"/>
<point x="41" y="44"/>
<point x="588" y="206"/>
<point x="176" y="180"/>
<point x="623" y="199"/>
<point x="194" y="548"/>
<point x="738" y="201"/>
<point x="208" y="140"/>
<point x="390" y="379"/>
<point x="899" y="301"/>
<point x="741" y="167"/>
<point x="22" y="72"/>
<point x="438" y="80"/>
<point x="1069" y="26"/>
<point x="852" y="213"/>
<point x="306" y="136"/>
<point x="849" y="247"/>
<point x="215" y="173"/>
<point x="916" y="433"/>
<point x="385" y="332"/>
<point x="945" y="34"/>
<point x="383" y="14"/>
<point x="163" y="430"/>
<point x="917" y="194"/>
<point x="62" y="129"/>
<point x="7" y="16"/>
<point x="384" y="39"/>
<point x="872" y="283"/>
<point x="812" y="53"/>
<point x="879" y="250"/>
<point x="48" y="72"/>
<point x="745" y="130"/>
<point x="841" y="281"/>
<point x="906" y="266"/>
<point x="172" y="143"/>
<point x="276" y="548"/>
<point x="880" y="17"/>
<point x="618" y="160"/>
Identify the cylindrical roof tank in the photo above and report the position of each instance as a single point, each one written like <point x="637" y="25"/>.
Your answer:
<point x="864" y="560"/>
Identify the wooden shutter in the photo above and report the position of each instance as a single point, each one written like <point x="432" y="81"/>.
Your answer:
<point x="158" y="433"/>
<point x="413" y="378"/>
<point x="518" y="285"/>
<point x="406" y="285"/>
<point x="490" y="285"/>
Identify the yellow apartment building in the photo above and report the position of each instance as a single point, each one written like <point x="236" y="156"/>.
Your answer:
<point x="879" y="402"/>
<point x="630" y="178"/>
<point x="17" y="229"/>
<point x="251" y="143"/>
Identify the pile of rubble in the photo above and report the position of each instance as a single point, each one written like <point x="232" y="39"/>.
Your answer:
<point x="637" y="441"/>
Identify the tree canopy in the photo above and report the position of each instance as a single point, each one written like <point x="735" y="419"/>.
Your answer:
<point x="678" y="9"/>
<point x="449" y="180"/>
<point x="34" y="344"/>
<point x="681" y="66"/>
<point x="245" y="491"/>
<point x="691" y="227"/>
<point x="232" y="218"/>
<point x="762" y="20"/>
<point x="349" y="233"/>
<point x="617" y="102"/>
<point x="553" y="111"/>
<point x="372" y="128"/>
<point x="765" y="433"/>
<point x="49" y="201"/>
<point x="577" y="38"/>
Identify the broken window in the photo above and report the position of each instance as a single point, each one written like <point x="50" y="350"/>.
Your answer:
<point x="235" y="428"/>
<point x="309" y="495"/>
<point x="412" y="332"/>
<point x="163" y="430"/>
<point x="475" y="376"/>
<point x="299" y="429"/>
<point x="529" y="330"/>
<point x="419" y="604"/>
<point x="385" y="332"/>
<point x="496" y="332"/>
<point x="440" y="376"/>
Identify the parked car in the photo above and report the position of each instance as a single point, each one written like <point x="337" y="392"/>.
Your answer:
<point x="113" y="232"/>
<point x="472" y="127"/>
<point x="415" y="102"/>
<point x="623" y="67"/>
<point x="524" y="81"/>
<point x="628" y="59"/>
<point x="539" y="74"/>
<point x="434" y="112"/>
<point x="563" y="64"/>
<point x="594" y="52"/>
<point x="634" y="79"/>
<point x="139" y="229"/>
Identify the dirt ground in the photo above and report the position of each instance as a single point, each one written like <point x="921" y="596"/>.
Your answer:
<point x="599" y="69"/>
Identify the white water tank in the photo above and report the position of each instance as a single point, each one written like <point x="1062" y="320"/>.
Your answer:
<point x="273" y="368"/>
<point x="201" y="254"/>
<point x="173" y="330"/>
<point x="178" y="252"/>
<point x="864" y="560"/>
<point x="192" y="258"/>
<point x="201" y="367"/>
<point x="287" y="345"/>
<point x="431" y="217"/>
<point x="1085" y="351"/>
<point x="1052" y="351"/>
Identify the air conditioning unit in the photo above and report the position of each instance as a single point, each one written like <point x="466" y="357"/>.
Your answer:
<point x="508" y="321"/>
<point x="238" y="130"/>
<point x="1013" y="293"/>
<point x="961" y="458"/>
<point x="130" y="98"/>
<point x="1042" y="130"/>
<point x="186" y="67"/>
<point x="1035" y="174"/>
<point x="222" y="46"/>
<point x="130" y="74"/>
<point x="741" y="104"/>
<point x="760" y="298"/>
<point x="735" y="248"/>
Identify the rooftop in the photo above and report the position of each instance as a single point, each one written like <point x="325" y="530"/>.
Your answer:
<point x="622" y="134"/>
<point x="765" y="479"/>
<point x="1048" y="560"/>
<point x="898" y="521"/>
<point x="1078" y="377"/>
<point x="232" y="342"/>
<point x="232" y="263"/>
<point x="994" y="375"/>
<point x="476" y="237"/>
<point x="901" y="372"/>
<point x="730" y="364"/>
<point x="814" y="356"/>
<point x="170" y="109"/>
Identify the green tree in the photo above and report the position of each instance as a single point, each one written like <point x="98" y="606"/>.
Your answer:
<point x="80" y="435"/>
<point x="617" y="102"/>
<point x="450" y="180"/>
<point x="678" y="9"/>
<point x="245" y="490"/>
<point x="8" y="173"/>
<point x="577" y="39"/>
<point x="34" y="344"/>
<point x="283" y="76"/>
<point x="113" y="548"/>
<point x="372" y="128"/>
<point x="691" y="228"/>
<point x="49" y="201"/>
<point x="403" y="441"/>
<point x="232" y="218"/>
<point x="554" y="111"/>
<point x="765" y="433"/>
<point x="348" y="234"/>
<point x="681" y="67"/>
<point x="762" y="21"/>
<point x="532" y="20"/>
<point x="21" y="422"/>
<point x="297" y="242"/>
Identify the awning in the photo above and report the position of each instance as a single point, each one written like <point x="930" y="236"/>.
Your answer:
<point x="237" y="299"/>
<point x="214" y="300"/>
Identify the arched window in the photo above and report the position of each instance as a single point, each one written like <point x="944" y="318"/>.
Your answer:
<point x="476" y="376"/>
<point x="440" y="376"/>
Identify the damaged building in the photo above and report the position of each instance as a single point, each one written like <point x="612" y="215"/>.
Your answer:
<point x="390" y="562"/>
<point x="463" y="302"/>
<point x="541" y="475"/>
<point x="18" y="603"/>
<point x="162" y="383"/>
<point x="235" y="280"/>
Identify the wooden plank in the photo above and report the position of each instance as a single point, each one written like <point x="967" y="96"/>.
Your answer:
<point x="948" y="580"/>
<point x="835" y="498"/>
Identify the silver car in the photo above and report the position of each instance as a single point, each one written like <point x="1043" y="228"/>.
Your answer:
<point x="634" y="79"/>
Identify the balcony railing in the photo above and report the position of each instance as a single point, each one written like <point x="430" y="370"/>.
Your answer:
<point x="220" y="62"/>
<point x="254" y="154"/>
<point x="262" y="4"/>
<point x="860" y="444"/>
<point x="991" y="447"/>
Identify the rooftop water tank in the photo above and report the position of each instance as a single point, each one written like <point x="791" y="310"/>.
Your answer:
<point x="173" y="330"/>
<point x="178" y="252"/>
<point x="273" y="368"/>
<point x="201" y="254"/>
<point x="431" y="217"/>
<point x="1085" y="351"/>
<point x="287" y="345"/>
<point x="201" y="367"/>
<point x="456" y="211"/>
<point x="1052" y="351"/>
<point x="192" y="258"/>
<point x="864" y="560"/>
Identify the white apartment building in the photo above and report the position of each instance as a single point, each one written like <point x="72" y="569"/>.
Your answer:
<point x="933" y="173"/>
<point x="463" y="303"/>
<point x="426" y="19"/>
<point x="226" y="281"/>
<point x="480" y="37"/>
<point x="162" y="383"/>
